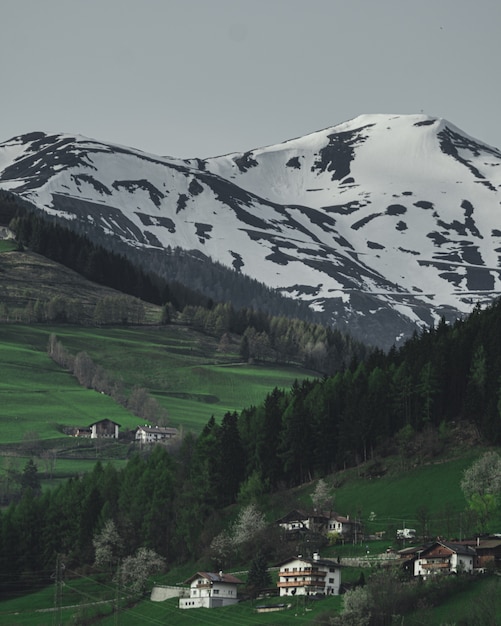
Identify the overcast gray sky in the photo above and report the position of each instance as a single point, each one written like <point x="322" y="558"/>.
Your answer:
<point x="190" y="78"/>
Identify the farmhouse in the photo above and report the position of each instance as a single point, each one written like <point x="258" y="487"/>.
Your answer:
<point x="344" y="526"/>
<point x="104" y="428"/>
<point x="209" y="590"/>
<point x="298" y="522"/>
<point x="153" y="434"/>
<point x="445" y="558"/>
<point x="305" y="576"/>
<point x="97" y="430"/>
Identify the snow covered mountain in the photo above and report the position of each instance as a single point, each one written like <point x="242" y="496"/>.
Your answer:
<point x="383" y="222"/>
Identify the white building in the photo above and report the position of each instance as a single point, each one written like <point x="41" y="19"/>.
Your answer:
<point x="298" y="521"/>
<point x="445" y="558"/>
<point x="209" y="590"/>
<point x="305" y="576"/>
<point x="153" y="434"/>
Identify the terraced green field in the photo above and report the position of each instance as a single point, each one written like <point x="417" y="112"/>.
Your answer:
<point x="182" y="369"/>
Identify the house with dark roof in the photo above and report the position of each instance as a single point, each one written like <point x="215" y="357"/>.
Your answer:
<point x="444" y="558"/>
<point x="209" y="590"/>
<point x="298" y="522"/>
<point x="308" y="576"/>
<point x="104" y="428"/>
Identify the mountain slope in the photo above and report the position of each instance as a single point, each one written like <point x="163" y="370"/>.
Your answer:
<point x="381" y="223"/>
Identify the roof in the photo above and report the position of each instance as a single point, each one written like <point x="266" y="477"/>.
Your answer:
<point x="300" y="515"/>
<point x="294" y="515"/>
<point x="488" y="544"/>
<point x="158" y="430"/>
<point x="215" y="578"/>
<point x="458" y="548"/>
<point x="411" y="550"/>
<point x="104" y="420"/>
<point x="312" y="561"/>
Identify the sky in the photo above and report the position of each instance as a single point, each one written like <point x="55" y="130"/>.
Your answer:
<point x="201" y="78"/>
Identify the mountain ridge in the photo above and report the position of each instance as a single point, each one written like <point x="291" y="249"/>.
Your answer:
<point x="384" y="223"/>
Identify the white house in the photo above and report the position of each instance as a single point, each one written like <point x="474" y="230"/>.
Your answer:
<point x="299" y="521"/>
<point x="152" y="434"/>
<point x="305" y="576"/>
<point x="209" y="590"/>
<point x="445" y="558"/>
<point x="344" y="526"/>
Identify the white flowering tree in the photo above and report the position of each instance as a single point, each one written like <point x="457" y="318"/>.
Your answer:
<point x="108" y="546"/>
<point x="135" y="570"/>
<point x="481" y="485"/>
<point x="322" y="497"/>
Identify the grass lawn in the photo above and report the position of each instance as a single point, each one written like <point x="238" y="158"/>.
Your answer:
<point x="399" y="500"/>
<point x="301" y="611"/>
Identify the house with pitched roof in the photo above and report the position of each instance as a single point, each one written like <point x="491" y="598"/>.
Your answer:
<point x="308" y="576"/>
<point x="210" y="590"/>
<point x="154" y="434"/>
<point x="445" y="558"/>
<point x="104" y="428"/>
<point x="298" y="522"/>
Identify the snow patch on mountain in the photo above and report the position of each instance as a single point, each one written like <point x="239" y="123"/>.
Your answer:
<point x="382" y="213"/>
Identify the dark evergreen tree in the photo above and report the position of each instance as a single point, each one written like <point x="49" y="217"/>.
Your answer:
<point x="259" y="578"/>
<point x="30" y="479"/>
<point x="232" y="460"/>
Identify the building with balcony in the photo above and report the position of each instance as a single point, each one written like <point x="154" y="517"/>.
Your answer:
<point x="444" y="558"/>
<point x="309" y="576"/>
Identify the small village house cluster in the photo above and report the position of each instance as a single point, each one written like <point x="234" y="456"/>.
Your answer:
<point x="108" y="429"/>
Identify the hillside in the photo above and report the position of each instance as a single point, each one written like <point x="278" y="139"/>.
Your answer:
<point x="382" y="224"/>
<point x="29" y="279"/>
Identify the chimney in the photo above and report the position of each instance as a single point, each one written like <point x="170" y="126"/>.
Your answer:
<point x="316" y="556"/>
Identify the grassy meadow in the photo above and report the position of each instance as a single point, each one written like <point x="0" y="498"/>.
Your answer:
<point x="182" y="369"/>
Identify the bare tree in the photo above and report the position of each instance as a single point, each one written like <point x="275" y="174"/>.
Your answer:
<point x="84" y="369"/>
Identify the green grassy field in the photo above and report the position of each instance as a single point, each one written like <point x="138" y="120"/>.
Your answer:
<point x="179" y="367"/>
<point x="40" y="609"/>
<point x="394" y="501"/>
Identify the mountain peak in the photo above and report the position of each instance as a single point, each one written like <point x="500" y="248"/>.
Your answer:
<point x="382" y="223"/>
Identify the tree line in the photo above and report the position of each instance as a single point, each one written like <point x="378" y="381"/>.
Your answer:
<point x="92" y="376"/>
<point x="265" y="336"/>
<point x="278" y="339"/>
<point x="176" y="276"/>
<point x="373" y="407"/>
<point x="173" y="502"/>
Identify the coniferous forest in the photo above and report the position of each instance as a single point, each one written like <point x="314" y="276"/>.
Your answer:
<point x="168" y="502"/>
<point x="365" y="404"/>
